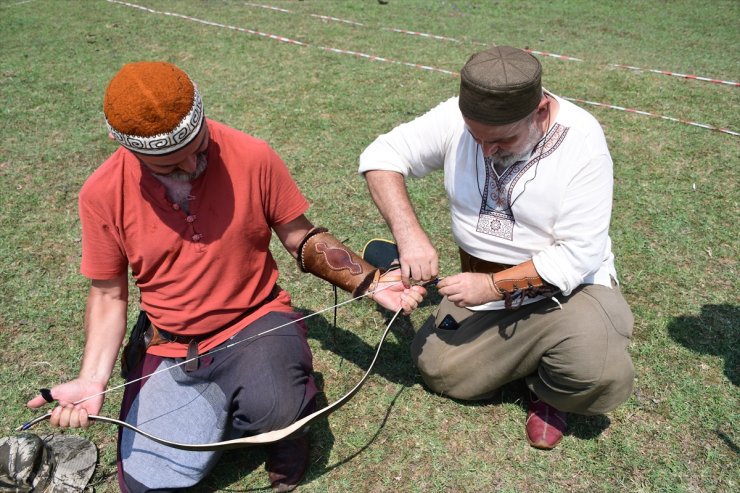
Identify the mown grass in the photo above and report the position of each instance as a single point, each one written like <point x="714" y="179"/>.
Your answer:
<point x="674" y="226"/>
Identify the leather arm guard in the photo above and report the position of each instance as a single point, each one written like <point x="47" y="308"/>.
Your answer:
<point x="324" y="256"/>
<point x="519" y="282"/>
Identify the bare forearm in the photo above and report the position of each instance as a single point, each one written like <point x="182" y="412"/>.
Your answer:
<point x="418" y="257"/>
<point x="105" y="328"/>
<point x="388" y="190"/>
<point x="291" y="234"/>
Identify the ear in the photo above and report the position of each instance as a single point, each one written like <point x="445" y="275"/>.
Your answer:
<point x="544" y="103"/>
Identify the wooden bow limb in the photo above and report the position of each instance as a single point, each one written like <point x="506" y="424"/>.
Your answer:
<point x="262" y="438"/>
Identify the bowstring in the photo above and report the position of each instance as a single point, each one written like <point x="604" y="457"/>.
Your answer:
<point x="29" y="424"/>
<point x="228" y="346"/>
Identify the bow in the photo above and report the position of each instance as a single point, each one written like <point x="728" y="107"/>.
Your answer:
<point x="262" y="438"/>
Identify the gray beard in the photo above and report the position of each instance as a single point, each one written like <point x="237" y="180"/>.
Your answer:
<point x="503" y="160"/>
<point x="179" y="183"/>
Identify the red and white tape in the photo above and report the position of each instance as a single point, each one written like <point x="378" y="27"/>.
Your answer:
<point x="423" y="35"/>
<point x="398" y="62"/>
<point x="645" y="113"/>
<point x="676" y="74"/>
<point x="210" y="23"/>
<point x="336" y="19"/>
<point x="375" y="58"/>
<point x="404" y="31"/>
<point x="534" y="52"/>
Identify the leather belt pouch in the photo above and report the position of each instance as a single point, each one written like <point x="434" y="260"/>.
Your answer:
<point x="135" y="348"/>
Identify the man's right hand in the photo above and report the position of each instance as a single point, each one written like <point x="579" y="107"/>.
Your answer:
<point x="67" y="414"/>
<point x="419" y="260"/>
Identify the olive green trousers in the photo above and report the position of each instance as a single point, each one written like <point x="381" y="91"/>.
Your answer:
<point x="573" y="355"/>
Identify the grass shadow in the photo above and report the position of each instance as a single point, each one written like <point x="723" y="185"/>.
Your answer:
<point x="714" y="331"/>
<point x="370" y="441"/>
<point x="587" y="427"/>
<point x="394" y="362"/>
<point x="516" y="393"/>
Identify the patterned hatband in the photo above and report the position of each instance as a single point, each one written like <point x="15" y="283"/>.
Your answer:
<point x="165" y="143"/>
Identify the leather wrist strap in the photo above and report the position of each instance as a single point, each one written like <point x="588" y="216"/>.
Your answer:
<point x="391" y="275"/>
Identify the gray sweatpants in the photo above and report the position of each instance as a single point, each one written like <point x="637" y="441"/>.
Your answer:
<point x="259" y="385"/>
<point x="573" y="356"/>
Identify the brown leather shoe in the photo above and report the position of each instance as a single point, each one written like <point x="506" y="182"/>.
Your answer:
<point x="287" y="461"/>
<point x="545" y="424"/>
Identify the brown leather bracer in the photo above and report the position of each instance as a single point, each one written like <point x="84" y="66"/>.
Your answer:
<point x="324" y="256"/>
<point x="519" y="282"/>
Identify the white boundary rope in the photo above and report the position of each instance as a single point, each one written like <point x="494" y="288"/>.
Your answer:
<point x="377" y="58"/>
<point x="645" y="113"/>
<point x="676" y="74"/>
<point x="535" y="52"/>
<point x="403" y="31"/>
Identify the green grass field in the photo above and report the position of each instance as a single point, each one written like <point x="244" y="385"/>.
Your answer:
<point x="674" y="226"/>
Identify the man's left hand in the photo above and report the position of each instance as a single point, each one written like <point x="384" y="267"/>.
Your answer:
<point x="469" y="289"/>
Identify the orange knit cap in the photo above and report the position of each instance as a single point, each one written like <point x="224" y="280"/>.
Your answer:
<point x="152" y="108"/>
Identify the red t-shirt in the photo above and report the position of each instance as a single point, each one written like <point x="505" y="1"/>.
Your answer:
<point x="195" y="272"/>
